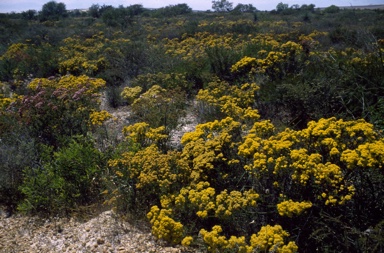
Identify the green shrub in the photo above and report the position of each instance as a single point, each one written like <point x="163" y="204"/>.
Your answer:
<point x="17" y="151"/>
<point x="113" y="96"/>
<point x="70" y="179"/>
<point x="160" y="107"/>
<point x="332" y="9"/>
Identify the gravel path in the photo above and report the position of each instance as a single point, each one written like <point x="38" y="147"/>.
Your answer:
<point x="105" y="232"/>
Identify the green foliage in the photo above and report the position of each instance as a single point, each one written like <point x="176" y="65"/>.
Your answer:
<point x="220" y="60"/>
<point x="71" y="178"/>
<point x="243" y="8"/>
<point x="52" y="11"/>
<point x="280" y="7"/>
<point x="116" y="17"/>
<point x="332" y="9"/>
<point x="113" y="96"/>
<point x="164" y="80"/>
<point x="120" y="17"/>
<point x="171" y="11"/>
<point x="222" y="6"/>
<point x="29" y="14"/>
<point x="160" y="107"/>
<point x="305" y="7"/>
<point x="17" y="151"/>
<point x="94" y="11"/>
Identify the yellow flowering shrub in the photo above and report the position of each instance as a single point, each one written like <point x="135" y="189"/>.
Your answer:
<point x="227" y="204"/>
<point x="231" y="100"/>
<point x="193" y="48"/>
<point x="245" y="65"/>
<point x="290" y="208"/>
<point x="209" y="146"/>
<point x="20" y="59"/>
<point x="271" y="239"/>
<point x="365" y="155"/>
<point x="164" y="227"/>
<point x="6" y="101"/>
<point x="201" y="196"/>
<point x="158" y="177"/>
<point x="16" y="51"/>
<point x="268" y="239"/>
<point x="187" y="241"/>
<point x="331" y="147"/>
<point x="131" y="93"/>
<point x="90" y="85"/>
<point x="79" y="56"/>
<point x="230" y="171"/>
<point x="144" y="135"/>
<point x="277" y="58"/>
<point x="219" y="243"/>
<point x="98" y="118"/>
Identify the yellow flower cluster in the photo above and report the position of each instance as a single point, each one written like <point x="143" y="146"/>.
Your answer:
<point x="273" y="64"/>
<point x="251" y="144"/>
<point x="365" y="155"/>
<point x="305" y="165"/>
<point x="232" y="101"/>
<point x="187" y="241"/>
<point x="316" y="155"/>
<point x="82" y="56"/>
<point x="131" y="93"/>
<point x="93" y="85"/>
<point x="290" y="208"/>
<point x="5" y="101"/>
<point x="158" y="176"/>
<point x="268" y="239"/>
<point x="194" y="48"/>
<point x="204" y="147"/>
<point x="201" y="197"/>
<point x="151" y="177"/>
<point x="143" y="134"/>
<point x="271" y="239"/>
<point x="245" y="63"/>
<point x="219" y="243"/>
<point x="16" y="51"/>
<point x="164" y="227"/>
<point x="226" y="203"/>
<point x="98" y="118"/>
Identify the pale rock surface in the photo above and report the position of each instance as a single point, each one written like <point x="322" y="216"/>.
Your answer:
<point x="106" y="232"/>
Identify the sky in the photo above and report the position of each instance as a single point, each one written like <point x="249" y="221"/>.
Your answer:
<point x="7" y="6"/>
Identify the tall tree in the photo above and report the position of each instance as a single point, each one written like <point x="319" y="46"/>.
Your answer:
<point x="281" y="7"/>
<point x="245" y="8"/>
<point x="222" y="6"/>
<point x="53" y="11"/>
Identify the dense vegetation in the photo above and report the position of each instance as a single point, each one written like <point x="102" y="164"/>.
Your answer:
<point x="288" y="154"/>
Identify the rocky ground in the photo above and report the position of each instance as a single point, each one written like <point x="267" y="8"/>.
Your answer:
<point x="104" y="232"/>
